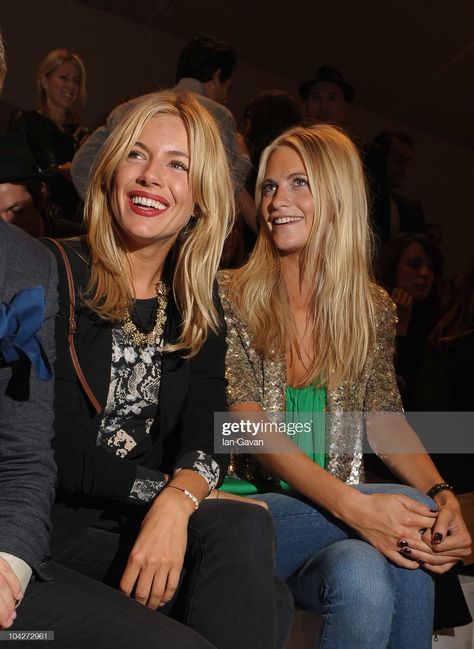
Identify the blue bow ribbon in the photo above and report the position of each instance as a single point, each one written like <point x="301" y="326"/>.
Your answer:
<point x="20" y="321"/>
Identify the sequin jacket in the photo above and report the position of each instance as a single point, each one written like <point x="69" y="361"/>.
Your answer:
<point x="252" y="378"/>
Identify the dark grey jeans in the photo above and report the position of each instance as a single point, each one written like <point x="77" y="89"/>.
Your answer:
<point x="85" y="614"/>
<point x="229" y="592"/>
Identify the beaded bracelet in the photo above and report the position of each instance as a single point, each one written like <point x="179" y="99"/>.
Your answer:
<point x="438" y="488"/>
<point x="187" y="493"/>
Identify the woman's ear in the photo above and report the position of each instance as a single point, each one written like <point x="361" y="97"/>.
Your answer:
<point x="44" y="82"/>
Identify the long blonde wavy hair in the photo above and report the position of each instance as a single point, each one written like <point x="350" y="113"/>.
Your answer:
<point x="197" y="250"/>
<point x="336" y="260"/>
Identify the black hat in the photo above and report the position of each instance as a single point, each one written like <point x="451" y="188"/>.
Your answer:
<point x="16" y="160"/>
<point x="327" y="73"/>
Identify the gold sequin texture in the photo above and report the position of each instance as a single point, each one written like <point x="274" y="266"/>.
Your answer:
<point x="252" y="378"/>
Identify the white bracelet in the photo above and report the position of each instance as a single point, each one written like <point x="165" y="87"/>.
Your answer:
<point x="187" y="493"/>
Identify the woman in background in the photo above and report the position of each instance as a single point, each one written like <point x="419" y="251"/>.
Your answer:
<point x="53" y="131"/>
<point x="409" y="267"/>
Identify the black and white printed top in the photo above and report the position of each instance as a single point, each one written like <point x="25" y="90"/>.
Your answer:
<point x="114" y="458"/>
<point x="132" y="405"/>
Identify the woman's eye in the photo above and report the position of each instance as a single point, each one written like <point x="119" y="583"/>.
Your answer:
<point x="177" y="164"/>
<point x="268" y="188"/>
<point x="135" y="155"/>
<point x="301" y="182"/>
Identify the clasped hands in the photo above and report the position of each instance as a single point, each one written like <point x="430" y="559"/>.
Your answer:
<point x="410" y="534"/>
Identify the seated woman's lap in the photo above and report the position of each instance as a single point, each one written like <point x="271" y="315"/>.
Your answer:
<point x="330" y="571"/>
<point x="226" y="539"/>
<point x="302" y="529"/>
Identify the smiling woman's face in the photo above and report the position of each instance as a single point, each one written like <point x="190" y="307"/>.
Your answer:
<point x="63" y="85"/>
<point x="151" y="194"/>
<point x="287" y="205"/>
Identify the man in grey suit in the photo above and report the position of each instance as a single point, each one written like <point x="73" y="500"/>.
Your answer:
<point x="26" y="417"/>
<point x="38" y="598"/>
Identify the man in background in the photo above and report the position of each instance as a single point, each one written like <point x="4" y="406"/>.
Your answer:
<point x="205" y="67"/>
<point x="326" y="97"/>
<point x="389" y="159"/>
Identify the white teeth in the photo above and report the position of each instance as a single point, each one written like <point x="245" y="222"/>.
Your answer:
<point x="287" y="219"/>
<point x="148" y="202"/>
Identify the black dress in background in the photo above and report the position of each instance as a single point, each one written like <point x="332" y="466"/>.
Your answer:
<point x="52" y="147"/>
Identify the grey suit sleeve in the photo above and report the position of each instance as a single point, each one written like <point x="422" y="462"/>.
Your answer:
<point x="27" y="468"/>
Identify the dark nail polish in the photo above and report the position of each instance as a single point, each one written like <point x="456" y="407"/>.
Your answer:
<point x="402" y="543"/>
<point x="438" y="537"/>
<point x="406" y="550"/>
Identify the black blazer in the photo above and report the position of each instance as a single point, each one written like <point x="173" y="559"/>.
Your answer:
<point x="191" y="390"/>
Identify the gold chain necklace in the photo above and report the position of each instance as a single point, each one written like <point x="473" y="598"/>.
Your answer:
<point x="139" y="338"/>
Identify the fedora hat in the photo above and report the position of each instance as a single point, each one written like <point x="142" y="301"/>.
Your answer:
<point x="16" y="160"/>
<point x="327" y="73"/>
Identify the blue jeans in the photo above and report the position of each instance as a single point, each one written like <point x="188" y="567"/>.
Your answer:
<point x="366" y="602"/>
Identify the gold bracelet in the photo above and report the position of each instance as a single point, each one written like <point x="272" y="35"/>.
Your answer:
<point x="187" y="493"/>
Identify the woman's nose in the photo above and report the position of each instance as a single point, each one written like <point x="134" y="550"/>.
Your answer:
<point x="279" y="198"/>
<point x="151" y="174"/>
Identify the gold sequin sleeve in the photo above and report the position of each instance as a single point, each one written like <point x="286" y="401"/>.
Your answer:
<point x="244" y="366"/>
<point x="382" y="394"/>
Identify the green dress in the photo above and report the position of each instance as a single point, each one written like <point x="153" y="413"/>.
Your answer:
<point x="312" y="402"/>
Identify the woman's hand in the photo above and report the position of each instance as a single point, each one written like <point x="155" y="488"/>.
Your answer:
<point x="154" y="564"/>
<point x="404" y="303"/>
<point x="384" y="520"/>
<point x="449" y="537"/>
<point x="224" y="495"/>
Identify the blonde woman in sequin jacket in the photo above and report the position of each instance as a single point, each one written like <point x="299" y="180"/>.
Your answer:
<point x="304" y="313"/>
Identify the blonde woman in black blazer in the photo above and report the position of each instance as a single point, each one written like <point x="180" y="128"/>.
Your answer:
<point x="136" y="460"/>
